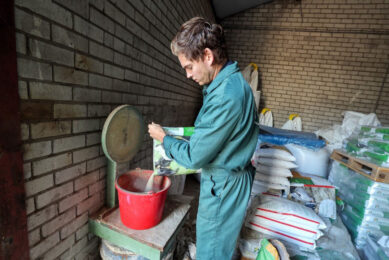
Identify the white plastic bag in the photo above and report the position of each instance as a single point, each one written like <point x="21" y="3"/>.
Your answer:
<point x="250" y="74"/>
<point x="266" y="117"/>
<point x="294" y="123"/>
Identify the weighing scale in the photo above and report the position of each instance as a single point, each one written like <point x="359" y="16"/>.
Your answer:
<point x="122" y="136"/>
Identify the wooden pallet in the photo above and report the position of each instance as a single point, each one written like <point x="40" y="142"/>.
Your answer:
<point x="365" y="168"/>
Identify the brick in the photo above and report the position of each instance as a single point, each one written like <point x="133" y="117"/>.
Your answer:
<point x="94" y="138"/>
<point x="69" y="111"/>
<point x="80" y="126"/>
<point x="98" y="110"/>
<point x="85" y="154"/>
<point x="44" y="51"/>
<point x="69" y="39"/>
<point x="131" y="75"/>
<point x="34" y="70"/>
<point x="87" y="63"/>
<point x="34" y="237"/>
<point x="92" y="247"/>
<point x="84" y="94"/>
<point x="31" y="24"/>
<point x="60" y="248"/>
<point x="88" y="29"/>
<point x="70" y="173"/>
<point x="68" y="143"/>
<point x="108" y="40"/>
<point x="60" y="221"/>
<point x="78" y="7"/>
<point x="27" y="170"/>
<point x="102" y="21"/>
<point x="35" y="150"/>
<point x="43" y="246"/>
<point x="49" y="10"/>
<point x="97" y="187"/>
<point x="39" y="90"/>
<point x="75" y="249"/>
<point x="120" y="85"/>
<point x="118" y="45"/>
<point x="41" y="217"/>
<point x="113" y="71"/>
<point x="88" y="204"/>
<point x="30" y="205"/>
<point x="25" y="131"/>
<point x="20" y="43"/>
<point x="51" y="163"/>
<point x="70" y="75"/>
<point x="112" y="97"/>
<point x="99" y="81"/>
<point x="86" y="180"/>
<point x="100" y="51"/>
<point x="49" y="129"/>
<point x="82" y="232"/>
<point x="114" y="13"/>
<point x="130" y="99"/>
<point x="23" y="91"/>
<point x="38" y="185"/>
<point x="72" y="200"/>
<point x="78" y="222"/>
<point x="32" y="110"/>
<point x="52" y="195"/>
<point x="96" y="163"/>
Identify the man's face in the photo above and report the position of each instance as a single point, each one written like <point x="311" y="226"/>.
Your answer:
<point x="200" y="71"/>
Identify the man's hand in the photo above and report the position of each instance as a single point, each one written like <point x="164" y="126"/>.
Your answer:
<point x="156" y="132"/>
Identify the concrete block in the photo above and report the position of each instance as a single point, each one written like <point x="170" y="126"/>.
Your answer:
<point x="34" y="70"/>
<point x="99" y="81"/>
<point x="56" y="251"/>
<point x="101" y="20"/>
<point x="36" y="150"/>
<point x="88" y="204"/>
<point x="51" y="163"/>
<point x="39" y="90"/>
<point x="98" y="110"/>
<point x="112" y="97"/>
<point x="48" y="129"/>
<point x="85" y="154"/>
<point x="52" y="195"/>
<point x="69" y="38"/>
<point x="69" y="111"/>
<point x="23" y="91"/>
<point x="20" y="43"/>
<point x="70" y="173"/>
<point x="87" y="125"/>
<point x="44" y="246"/>
<point x="88" y="95"/>
<point x="68" y="143"/>
<point x="100" y="51"/>
<point x="34" y="237"/>
<point x="96" y="163"/>
<point x="86" y="180"/>
<point x="30" y="206"/>
<point x="48" y="52"/>
<point x="60" y="221"/>
<point x="41" y="217"/>
<point x="87" y="29"/>
<point x="39" y="184"/>
<point x="70" y="75"/>
<point x="25" y="131"/>
<point x="93" y="138"/>
<point x="27" y="170"/>
<point x="73" y="200"/>
<point x="48" y="9"/>
<point x="31" y="24"/>
<point x="87" y="63"/>
<point x="71" y="228"/>
<point x="113" y="71"/>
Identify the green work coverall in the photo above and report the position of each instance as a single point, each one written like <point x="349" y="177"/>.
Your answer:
<point x="222" y="145"/>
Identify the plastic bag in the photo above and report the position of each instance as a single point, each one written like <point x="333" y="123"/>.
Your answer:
<point x="266" y="117"/>
<point x="294" y="123"/>
<point x="250" y="74"/>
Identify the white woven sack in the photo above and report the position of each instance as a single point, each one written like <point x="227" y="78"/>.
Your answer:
<point x="276" y="163"/>
<point x="274" y="171"/>
<point x="272" y="179"/>
<point x="275" y="153"/>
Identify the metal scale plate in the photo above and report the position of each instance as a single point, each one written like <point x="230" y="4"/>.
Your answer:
<point x="122" y="137"/>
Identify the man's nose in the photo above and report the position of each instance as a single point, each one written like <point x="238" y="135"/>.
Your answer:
<point x="188" y="75"/>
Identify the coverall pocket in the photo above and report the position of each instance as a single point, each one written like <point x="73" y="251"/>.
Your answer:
<point x="211" y="194"/>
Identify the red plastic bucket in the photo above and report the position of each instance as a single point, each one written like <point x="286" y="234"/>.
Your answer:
<point x="140" y="210"/>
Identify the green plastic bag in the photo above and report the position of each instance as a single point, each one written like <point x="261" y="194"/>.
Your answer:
<point x="267" y="251"/>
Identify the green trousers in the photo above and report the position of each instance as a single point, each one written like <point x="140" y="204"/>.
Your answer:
<point x="222" y="207"/>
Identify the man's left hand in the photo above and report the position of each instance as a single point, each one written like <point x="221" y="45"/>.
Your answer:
<point x="156" y="132"/>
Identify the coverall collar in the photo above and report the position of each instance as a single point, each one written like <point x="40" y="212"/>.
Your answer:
<point x="224" y="73"/>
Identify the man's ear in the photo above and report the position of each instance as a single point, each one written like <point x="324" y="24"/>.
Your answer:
<point x="208" y="57"/>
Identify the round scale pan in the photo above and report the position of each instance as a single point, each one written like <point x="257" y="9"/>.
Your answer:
<point x="123" y="134"/>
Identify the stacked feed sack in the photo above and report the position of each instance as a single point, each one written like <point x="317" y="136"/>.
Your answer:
<point x="272" y="169"/>
<point x="289" y="221"/>
<point x="366" y="208"/>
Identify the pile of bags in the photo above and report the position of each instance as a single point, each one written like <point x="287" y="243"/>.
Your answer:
<point x="286" y="220"/>
<point x="272" y="169"/>
<point x="366" y="204"/>
<point x="371" y="144"/>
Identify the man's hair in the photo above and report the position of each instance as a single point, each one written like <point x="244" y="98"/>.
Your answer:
<point x="197" y="34"/>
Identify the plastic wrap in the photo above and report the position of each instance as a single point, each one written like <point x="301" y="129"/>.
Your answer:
<point x="283" y="140"/>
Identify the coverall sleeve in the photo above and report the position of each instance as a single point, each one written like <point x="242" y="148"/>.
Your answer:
<point x="211" y="132"/>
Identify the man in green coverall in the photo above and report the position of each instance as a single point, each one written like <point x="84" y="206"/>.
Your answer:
<point x="224" y="138"/>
